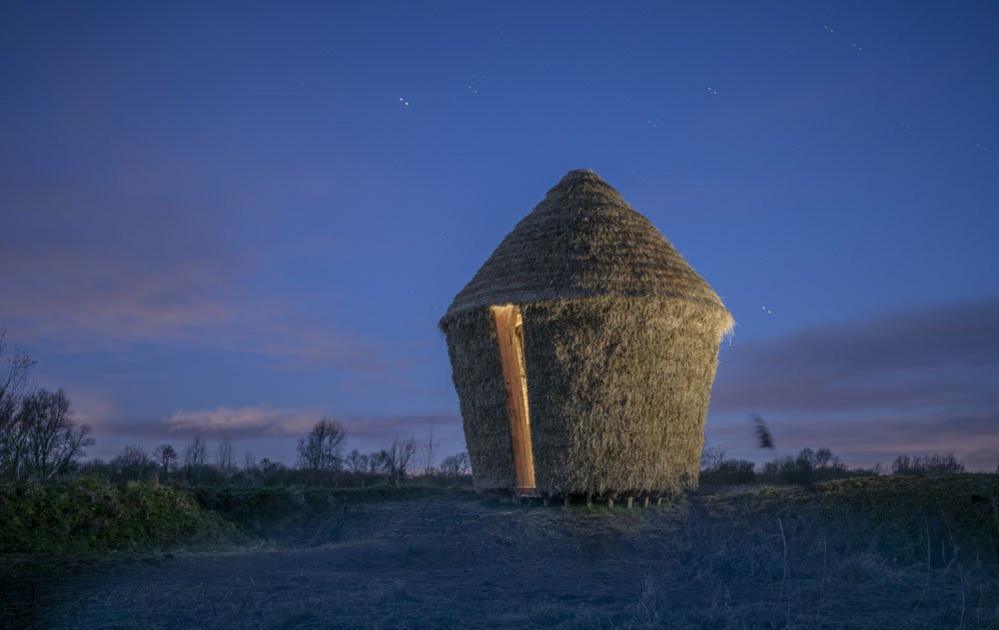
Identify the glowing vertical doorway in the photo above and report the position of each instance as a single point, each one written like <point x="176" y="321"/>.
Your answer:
<point x="510" y="333"/>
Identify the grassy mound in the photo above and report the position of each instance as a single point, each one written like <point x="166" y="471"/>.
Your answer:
<point x="894" y="516"/>
<point x="908" y="519"/>
<point x="959" y="507"/>
<point x="92" y="515"/>
<point x="875" y="552"/>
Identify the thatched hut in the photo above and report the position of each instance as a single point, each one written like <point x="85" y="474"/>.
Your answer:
<point x="583" y="352"/>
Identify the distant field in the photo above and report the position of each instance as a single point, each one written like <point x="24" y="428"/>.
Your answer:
<point x="888" y="552"/>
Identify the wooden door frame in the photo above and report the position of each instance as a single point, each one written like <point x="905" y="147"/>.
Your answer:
<point x="509" y="334"/>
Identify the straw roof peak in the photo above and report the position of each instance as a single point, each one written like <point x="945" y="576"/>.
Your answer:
<point x="583" y="240"/>
<point x="580" y="174"/>
<point x="585" y="181"/>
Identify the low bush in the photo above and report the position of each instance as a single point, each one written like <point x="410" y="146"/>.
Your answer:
<point x="927" y="465"/>
<point x="902" y="512"/>
<point x="89" y="514"/>
<point x="92" y="514"/>
<point x="729" y="472"/>
<point x="809" y="467"/>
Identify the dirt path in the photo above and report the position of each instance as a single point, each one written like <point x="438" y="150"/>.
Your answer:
<point x="458" y="563"/>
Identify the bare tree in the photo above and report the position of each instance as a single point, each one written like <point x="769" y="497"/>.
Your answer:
<point x="395" y="460"/>
<point x="224" y="458"/>
<point x="49" y="439"/>
<point x="166" y="456"/>
<point x="927" y="465"/>
<point x="428" y="453"/>
<point x="824" y="458"/>
<point x="711" y="457"/>
<point x="374" y="462"/>
<point x="134" y="463"/>
<point x="456" y="465"/>
<point x="132" y="456"/>
<point x="249" y="461"/>
<point x="13" y="376"/>
<point x="356" y="462"/>
<point x="195" y="453"/>
<point x="38" y="438"/>
<point x="320" y="449"/>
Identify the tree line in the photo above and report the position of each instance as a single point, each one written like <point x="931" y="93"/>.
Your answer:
<point x="321" y="461"/>
<point x="40" y="441"/>
<point x="810" y="466"/>
<point x="814" y="466"/>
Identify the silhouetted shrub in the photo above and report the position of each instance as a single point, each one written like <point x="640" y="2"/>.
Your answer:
<point x="320" y="450"/>
<point x="133" y="464"/>
<point x="457" y="465"/>
<point x="926" y="465"/>
<point x="809" y="467"/>
<point x="729" y="472"/>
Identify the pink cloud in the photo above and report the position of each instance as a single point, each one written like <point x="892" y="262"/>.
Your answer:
<point x="262" y="421"/>
<point x="258" y="421"/>
<point x="81" y="299"/>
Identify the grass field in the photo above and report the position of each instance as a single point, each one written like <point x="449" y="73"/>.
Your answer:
<point x="887" y="552"/>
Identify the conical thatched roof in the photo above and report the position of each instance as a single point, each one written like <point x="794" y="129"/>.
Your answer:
<point x="583" y="240"/>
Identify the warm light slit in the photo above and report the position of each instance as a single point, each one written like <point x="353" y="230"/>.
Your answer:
<point x="509" y="332"/>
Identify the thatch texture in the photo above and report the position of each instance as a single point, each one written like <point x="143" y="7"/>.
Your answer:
<point x="478" y="378"/>
<point x="621" y="339"/>
<point x="582" y="240"/>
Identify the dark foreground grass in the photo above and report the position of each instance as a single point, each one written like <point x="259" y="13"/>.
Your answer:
<point x="861" y="553"/>
<point x="889" y="516"/>
<point x="877" y="552"/>
<point x="302" y="516"/>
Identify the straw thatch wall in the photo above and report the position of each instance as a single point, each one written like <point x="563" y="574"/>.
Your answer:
<point x="621" y="343"/>
<point x="478" y="378"/>
<point x="619" y="390"/>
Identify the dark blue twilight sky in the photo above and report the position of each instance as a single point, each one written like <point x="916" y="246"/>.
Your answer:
<point x="231" y="218"/>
